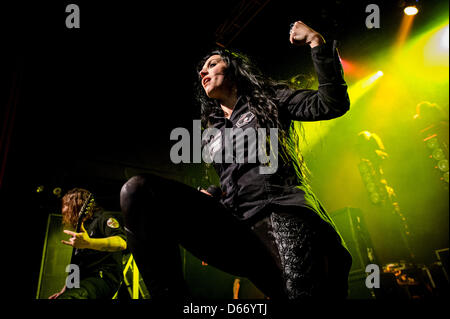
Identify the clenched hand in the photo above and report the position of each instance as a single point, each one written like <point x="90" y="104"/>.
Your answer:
<point x="301" y="34"/>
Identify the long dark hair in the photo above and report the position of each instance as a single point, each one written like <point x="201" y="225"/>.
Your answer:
<point x="260" y="93"/>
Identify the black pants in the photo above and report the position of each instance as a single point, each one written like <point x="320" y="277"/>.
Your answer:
<point x="91" y="288"/>
<point x="284" y="256"/>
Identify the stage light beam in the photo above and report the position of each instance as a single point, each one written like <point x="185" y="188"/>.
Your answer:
<point x="315" y="131"/>
<point x="403" y="32"/>
<point x="444" y="39"/>
<point x="435" y="49"/>
<point x="368" y="82"/>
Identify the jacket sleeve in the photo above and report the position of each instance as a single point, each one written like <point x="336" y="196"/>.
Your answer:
<point x="329" y="101"/>
<point x="112" y="225"/>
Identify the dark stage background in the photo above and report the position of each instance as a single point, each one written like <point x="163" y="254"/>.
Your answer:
<point x="91" y="107"/>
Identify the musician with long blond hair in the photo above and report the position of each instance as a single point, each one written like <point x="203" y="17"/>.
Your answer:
<point x="99" y="246"/>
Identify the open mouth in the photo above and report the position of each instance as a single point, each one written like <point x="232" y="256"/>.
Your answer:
<point x="206" y="81"/>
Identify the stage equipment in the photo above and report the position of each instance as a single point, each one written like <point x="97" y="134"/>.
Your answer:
<point x="208" y="282"/>
<point x="439" y="273"/>
<point x="372" y="154"/>
<point x="410" y="7"/>
<point x="132" y="280"/>
<point x="57" y="192"/>
<point x="442" y="257"/>
<point x="433" y="125"/>
<point x="411" y="10"/>
<point x="350" y="224"/>
<point x="55" y="258"/>
<point x="411" y="281"/>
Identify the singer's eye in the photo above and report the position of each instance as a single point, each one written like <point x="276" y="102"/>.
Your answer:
<point x="212" y="65"/>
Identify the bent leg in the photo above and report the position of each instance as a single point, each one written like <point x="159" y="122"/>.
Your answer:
<point x="90" y="288"/>
<point x="159" y="214"/>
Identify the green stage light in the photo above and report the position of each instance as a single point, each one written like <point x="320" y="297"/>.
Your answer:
<point x="367" y="177"/>
<point x="364" y="168"/>
<point x="432" y="143"/>
<point x="371" y="187"/>
<point x="446" y="177"/>
<point x="438" y="154"/>
<point x="443" y="165"/>
<point x="375" y="198"/>
<point x="427" y="54"/>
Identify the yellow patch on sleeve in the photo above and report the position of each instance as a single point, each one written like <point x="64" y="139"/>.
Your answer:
<point x="112" y="223"/>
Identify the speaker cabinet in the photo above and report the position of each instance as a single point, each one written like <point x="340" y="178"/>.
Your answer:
<point x="55" y="258"/>
<point x="350" y="223"/>
<point x="208" y="282"/>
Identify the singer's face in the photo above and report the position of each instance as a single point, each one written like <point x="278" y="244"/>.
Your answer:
<point x="213" y="77"/>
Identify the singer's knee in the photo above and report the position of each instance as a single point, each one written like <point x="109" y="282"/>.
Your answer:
<point x="131" y="188"/>
<point x="134" y="193"/>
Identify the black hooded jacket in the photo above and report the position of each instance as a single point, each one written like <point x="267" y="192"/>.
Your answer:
<point x="246" y="189"/>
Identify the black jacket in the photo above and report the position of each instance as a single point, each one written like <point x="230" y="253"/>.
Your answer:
<point x="102" y="263"/>
<point x="246" y="191"/>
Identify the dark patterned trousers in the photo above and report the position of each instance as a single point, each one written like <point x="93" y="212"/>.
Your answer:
<point x="311" y="261"/>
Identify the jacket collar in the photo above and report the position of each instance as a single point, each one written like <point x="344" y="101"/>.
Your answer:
<point x="240" y="107"/>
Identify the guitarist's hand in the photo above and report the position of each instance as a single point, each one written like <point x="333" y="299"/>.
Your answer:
<point x="78" y="240"/>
